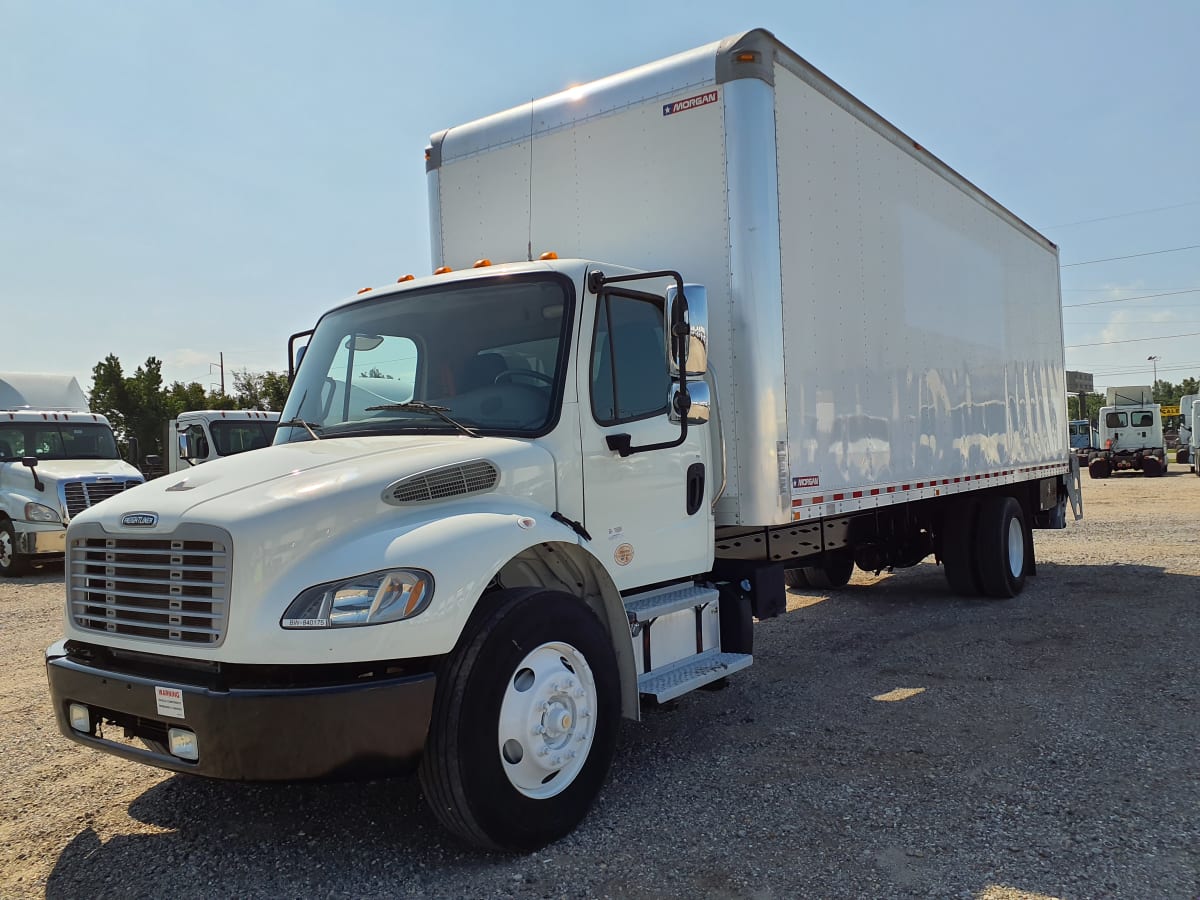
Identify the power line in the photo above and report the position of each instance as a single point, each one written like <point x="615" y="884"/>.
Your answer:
<point x="1089" y="262"/>
<point x="1172" y="323"/>
<point x="1169" y="337"/>
<point x="1126" y="299"/>
<point x="1111" y="288"/>
<point x="1136" y="212"/>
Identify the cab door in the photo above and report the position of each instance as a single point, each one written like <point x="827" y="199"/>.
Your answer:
<point x="648" y="513"/>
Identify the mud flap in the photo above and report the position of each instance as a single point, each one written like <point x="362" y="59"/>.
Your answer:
<point x="1074" y="495"/>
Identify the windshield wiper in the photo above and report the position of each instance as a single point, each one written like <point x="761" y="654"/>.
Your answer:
<point x="419" y="406"/>
<point x="300" y="423"/>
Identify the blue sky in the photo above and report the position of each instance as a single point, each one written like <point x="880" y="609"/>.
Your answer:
<point x="184" y="179"/>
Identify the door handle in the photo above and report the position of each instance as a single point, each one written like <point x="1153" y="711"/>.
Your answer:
<point x="695" y="488"/>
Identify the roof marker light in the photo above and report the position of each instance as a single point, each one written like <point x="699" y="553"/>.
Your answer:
<point x="481" y="263"/>
<point x="549" y="254"/>
<point x="442" y="270"/>
<point x="363" y="290"/>
<point x="404" y="278"/>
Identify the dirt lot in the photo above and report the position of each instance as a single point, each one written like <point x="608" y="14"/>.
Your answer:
<point x="890" y="740"/>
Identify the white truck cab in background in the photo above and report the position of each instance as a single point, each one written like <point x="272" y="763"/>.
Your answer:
<point x="747" y="332"/>
<point x="1194" y="438"/>
<point x="56" y="460"/>
<point x="199" y="436"/>
<point x="1130" y="434"/>
<point x="1187" y="428"/>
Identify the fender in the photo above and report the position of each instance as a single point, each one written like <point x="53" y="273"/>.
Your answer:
<point x="468" y="546"/>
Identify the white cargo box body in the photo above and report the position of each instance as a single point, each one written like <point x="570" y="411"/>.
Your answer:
<point x="881" y="330"/>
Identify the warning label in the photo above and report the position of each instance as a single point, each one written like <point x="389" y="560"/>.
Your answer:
<point x="669" y="109"/>
<point x="169" y="702"/>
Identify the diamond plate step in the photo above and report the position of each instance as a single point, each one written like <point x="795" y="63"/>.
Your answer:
<point x="678" y="678"/>
<point x="668" y="600"/>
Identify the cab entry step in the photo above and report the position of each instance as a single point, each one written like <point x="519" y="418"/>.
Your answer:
<point x="678" y="678"/>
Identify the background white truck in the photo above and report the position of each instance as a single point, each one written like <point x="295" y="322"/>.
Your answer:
<point x="56" y="460"/>
<point x="1194" y="438"/>
<point x="1187" y="419"/>
<point x="199" y="436"/>
<point x="1130" y="434"/>
<point x="589" y="477"/>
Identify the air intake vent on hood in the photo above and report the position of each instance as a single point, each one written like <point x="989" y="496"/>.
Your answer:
<point x="448" y="481"/>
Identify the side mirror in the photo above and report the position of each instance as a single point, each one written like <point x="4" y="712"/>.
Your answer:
<point x="185" y="446"/>
<point x="29" y="462"/>
<point x="691" y="312"/>
<point x="697" y="406"/>
<point x="134" y="450"/>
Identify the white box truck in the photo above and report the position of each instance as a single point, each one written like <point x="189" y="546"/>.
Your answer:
<point x="1130" y="434"/>
<point x="1187" y="419"/>
<point x="56" y="460"/>
<point x="202" y="435"/>
<point x="777" y="335"/>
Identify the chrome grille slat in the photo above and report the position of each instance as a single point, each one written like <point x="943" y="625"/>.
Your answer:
<point x="157" y="587"/>
<point x="125" y="579"/>
<point x="448" y="481"/>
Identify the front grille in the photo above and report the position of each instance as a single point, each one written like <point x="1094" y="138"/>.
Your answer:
<point x="165" y="588"/>
<point x="448" y="481"/>
<point x="79" y="495"/>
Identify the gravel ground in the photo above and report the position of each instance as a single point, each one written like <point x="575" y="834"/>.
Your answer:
<point x="1043" y="746"/>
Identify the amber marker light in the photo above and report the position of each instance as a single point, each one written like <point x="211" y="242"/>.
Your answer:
<point x="404" y="278"/>
<point x="481" y="264"/>
<point x="442" y="270"/>
<point x="747" y="57"/>
<point x="549" y="254"/>
<point x="363" y="290"/>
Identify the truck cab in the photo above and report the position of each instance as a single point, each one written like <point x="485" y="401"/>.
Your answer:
<point x="1082" y="437"/>
<point x="54" y="465"/>
<point x="1187" y="428"/>
<point x="200" y="436"/>
<point x="1131" y="438"/>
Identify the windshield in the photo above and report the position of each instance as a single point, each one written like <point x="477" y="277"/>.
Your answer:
<point x="65" y="440"/>
<point x="489" y="354"/>
<point x="238" y="437"/>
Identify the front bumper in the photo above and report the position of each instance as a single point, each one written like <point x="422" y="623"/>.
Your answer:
<point x="368" y="728"/>
<point x="35" y="542"/>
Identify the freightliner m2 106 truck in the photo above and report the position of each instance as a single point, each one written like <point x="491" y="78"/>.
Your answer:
<point x="509" y="504"/>
<point x="56" y="460"/>
<point x="202" y="435"/>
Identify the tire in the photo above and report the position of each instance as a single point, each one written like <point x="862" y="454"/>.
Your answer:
<point x="534" y="671"/>
<point x="795" y="578"/>
<point x="958" y="547"/>
<point x="1000" y="546"/>
<point x="1099" y="468"/>
<point x="1182" y="455"/>
<point x="835" y="573"/>
<point x="1151" y="467"/>
<point x="12" y="563"/>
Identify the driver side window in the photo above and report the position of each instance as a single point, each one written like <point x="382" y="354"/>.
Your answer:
<point x="630" y="379"/>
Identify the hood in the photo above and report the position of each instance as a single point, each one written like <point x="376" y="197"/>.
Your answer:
<point x="69" y="469"/>
<point x="335" y="473"/>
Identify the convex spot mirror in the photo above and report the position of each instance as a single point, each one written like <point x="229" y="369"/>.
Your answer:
<point x="693" y="313"/>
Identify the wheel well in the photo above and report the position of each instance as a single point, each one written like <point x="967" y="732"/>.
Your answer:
<point x="570" y="568"/>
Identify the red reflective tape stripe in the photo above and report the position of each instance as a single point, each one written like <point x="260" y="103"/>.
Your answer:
<point x="874" y="491"/>
<point x="856" y="494"/>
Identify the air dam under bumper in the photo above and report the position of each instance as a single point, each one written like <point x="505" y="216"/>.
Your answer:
<point x="340" y="731"/>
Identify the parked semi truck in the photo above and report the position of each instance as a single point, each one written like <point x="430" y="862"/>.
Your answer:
<point x="1187" y="420"/>
<point x="744" y="327"/>
<point x="202" y="435"/>
<point x="1083" y="438"/>
<point x="1194" y="438"/>
<point x="56" y="460"/>
<point x="1130" y="434"/>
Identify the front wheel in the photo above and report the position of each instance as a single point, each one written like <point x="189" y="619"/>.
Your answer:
<point x="524" y="722"/>
<point x="12" y="563"/>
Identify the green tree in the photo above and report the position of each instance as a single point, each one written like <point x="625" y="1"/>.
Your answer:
<point x="109" y="396"/>
<point x="1092" y="404"/>
<point x="260" y="390"/>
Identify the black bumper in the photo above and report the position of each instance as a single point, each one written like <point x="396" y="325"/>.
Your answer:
<point x="370" y="728"/>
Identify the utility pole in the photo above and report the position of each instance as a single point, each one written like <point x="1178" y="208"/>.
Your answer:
<point x="1153" y="360"/>
<point x="221" y="367"/>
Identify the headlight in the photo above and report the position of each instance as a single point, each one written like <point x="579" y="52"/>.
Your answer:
<point x="36" y="512"/>
<point x="365" y="600"/>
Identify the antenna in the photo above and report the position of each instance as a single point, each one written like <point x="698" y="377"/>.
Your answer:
<point x="529" y="211"/>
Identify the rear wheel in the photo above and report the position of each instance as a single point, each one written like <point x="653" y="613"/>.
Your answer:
<point x="1000" y="547"/>
<point x="524" y="722"/>
<point x="1151" y="467"/>
<point x="1182" y="455"/>
<point x="958" y="546"/>
<point x="795" y="578"/>
<point x="834" y="573"/>
<point x="12" y="563"/>
<point x="1099" y="468"/>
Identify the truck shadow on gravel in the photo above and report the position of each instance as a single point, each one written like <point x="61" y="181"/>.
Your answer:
<point x="891" y="739"/>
